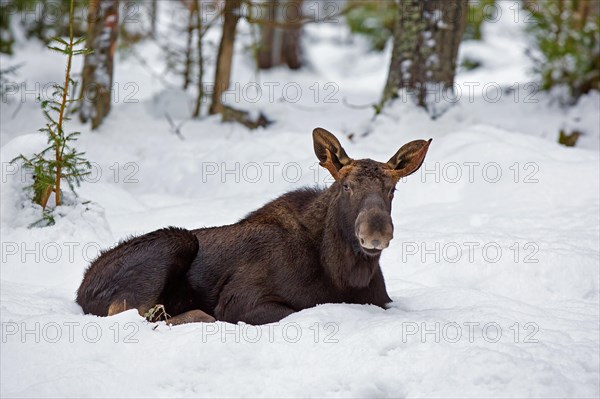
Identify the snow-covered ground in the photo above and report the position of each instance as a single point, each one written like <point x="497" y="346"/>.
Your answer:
<point x="494" y="269"/>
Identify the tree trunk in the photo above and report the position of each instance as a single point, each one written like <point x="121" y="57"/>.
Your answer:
<point x="193" y="9"/>
<point x="281" y="45"/>
<point x="199" y="48"/>
<point x="225" y="55"/>
<point x="97" y="75"/>
<point x="427" y="34"/>
<point x="153" y="16"/>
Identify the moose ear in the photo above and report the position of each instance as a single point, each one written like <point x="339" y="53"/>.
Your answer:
<point x="329" y="151"/>
<point x="409" y="158"/>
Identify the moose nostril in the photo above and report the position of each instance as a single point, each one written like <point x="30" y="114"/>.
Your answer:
<point x="362" y="241"/>
<point x="375" y="243"/>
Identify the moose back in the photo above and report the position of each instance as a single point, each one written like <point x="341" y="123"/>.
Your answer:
<point x="307" y="247"/>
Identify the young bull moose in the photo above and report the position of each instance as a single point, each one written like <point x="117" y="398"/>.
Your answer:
<point x="307" y="247"/>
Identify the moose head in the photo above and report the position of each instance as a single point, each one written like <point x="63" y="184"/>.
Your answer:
<point x="366" y="189"/>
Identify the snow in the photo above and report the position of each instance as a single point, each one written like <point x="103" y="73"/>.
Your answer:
<point x="494" y="269"/>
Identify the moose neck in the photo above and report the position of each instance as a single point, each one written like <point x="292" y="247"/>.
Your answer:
<point x="344" y="262"/>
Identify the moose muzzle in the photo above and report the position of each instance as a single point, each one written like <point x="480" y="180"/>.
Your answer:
<point x="374" y="230"/>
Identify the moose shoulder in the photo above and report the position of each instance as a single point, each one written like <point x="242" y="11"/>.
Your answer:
<point x="305" y="248"/>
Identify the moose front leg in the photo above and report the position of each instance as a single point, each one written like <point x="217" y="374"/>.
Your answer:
<point x="268" y="312"/>
<point x="192" y="316"/>
<point x="262" y="313"/>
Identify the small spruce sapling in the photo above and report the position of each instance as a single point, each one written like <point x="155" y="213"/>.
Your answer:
<point x="59" y="160"/>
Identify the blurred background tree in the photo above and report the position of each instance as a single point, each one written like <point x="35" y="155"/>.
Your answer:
<point x="97" y="75"/>
<point x="372" y="19"/>
<point x="280" y="31"/>
<point x="424" y="37"/>
<point x="567" y="48"/>
<point x="478" y="12"/>
<point x="39" y="19"/>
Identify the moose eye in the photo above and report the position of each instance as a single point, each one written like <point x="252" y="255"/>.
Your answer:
<point x="346" y="187"/>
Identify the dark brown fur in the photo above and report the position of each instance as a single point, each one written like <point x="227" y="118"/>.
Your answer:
<point x="297" y="251"/>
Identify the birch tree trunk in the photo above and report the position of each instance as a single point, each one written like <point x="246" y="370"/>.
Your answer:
<point x="97" y="75"/>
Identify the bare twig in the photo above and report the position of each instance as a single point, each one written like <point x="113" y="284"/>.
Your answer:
<point x="174" y="127"/>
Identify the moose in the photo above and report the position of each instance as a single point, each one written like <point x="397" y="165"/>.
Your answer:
<point x="307" y="247"/>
